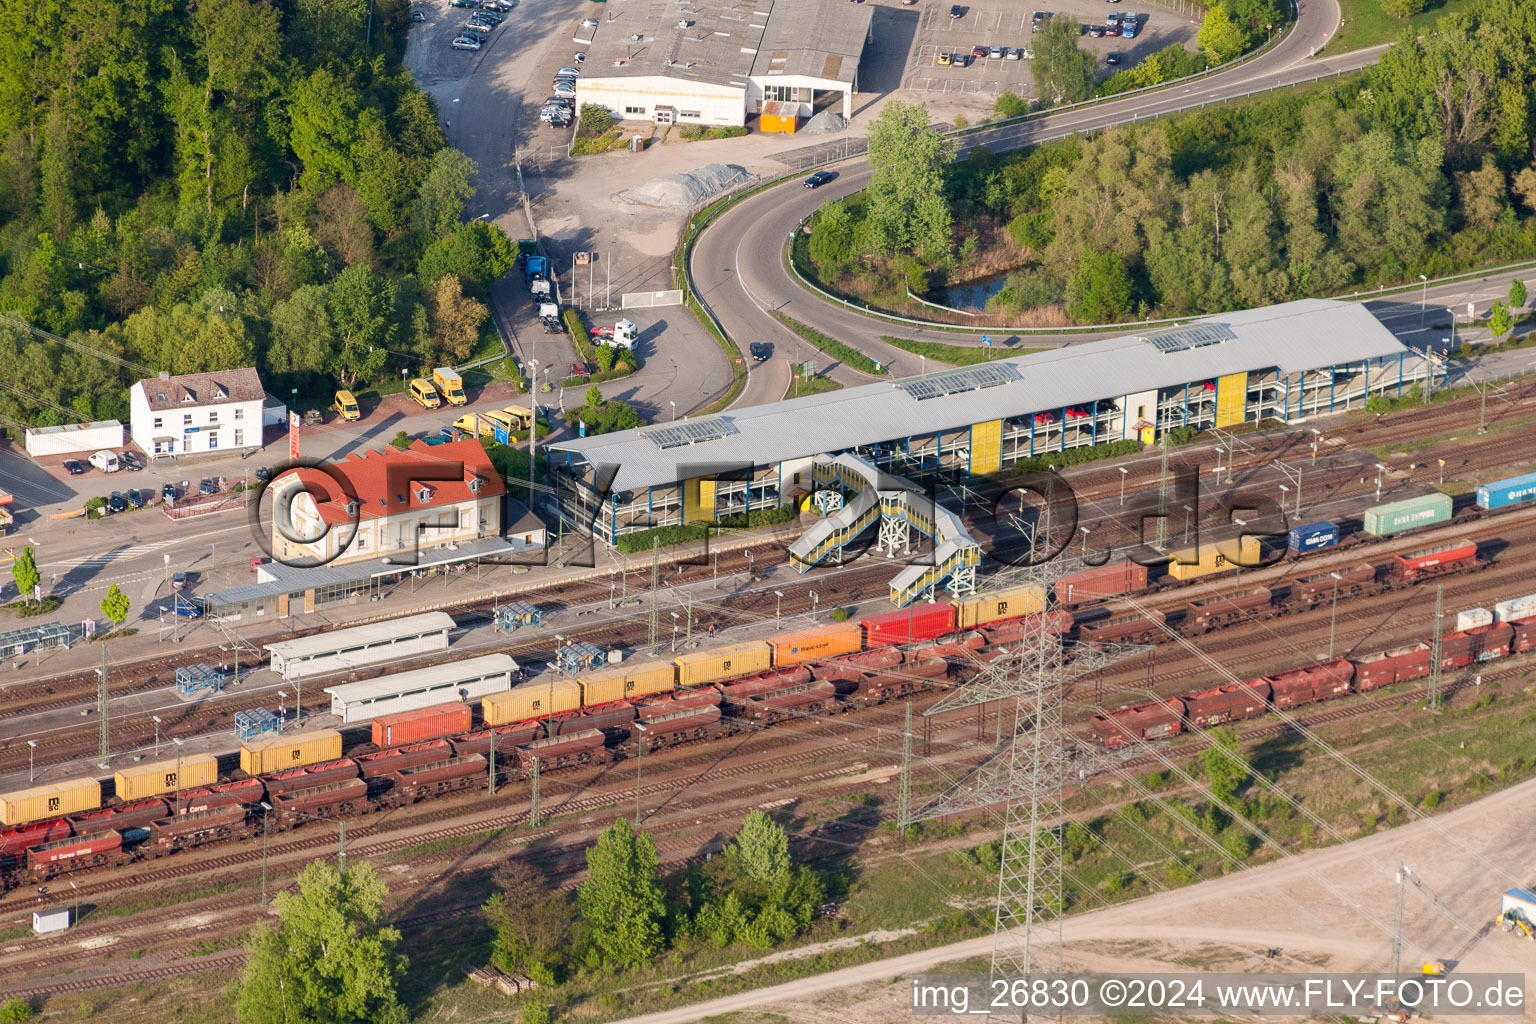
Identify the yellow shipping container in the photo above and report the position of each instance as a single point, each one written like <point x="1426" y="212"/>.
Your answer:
<point x="722" y="663"/>
<point x="160" y="777"/>
<point x="531" y="700"/>
<point x="809" y="644"/>
<point x="999" y="604"/>
<point x="1213" y="559"/>
<point x="49" y="801"/>
<point x="293" y="751"/>
<point x="625" y="681"/>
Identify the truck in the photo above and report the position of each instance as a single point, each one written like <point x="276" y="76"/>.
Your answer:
<point x="448" y="381"/>
<point x="549" y="316"/>
<point x="623" y="334"/>
<point x="6" y="520"/>
<point x="538" y="287"/>
<point x="526" y="247"/>
<point x="535" y="267"/>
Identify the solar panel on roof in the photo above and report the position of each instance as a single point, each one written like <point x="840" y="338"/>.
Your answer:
<point x="972" y="378"/>
<point x="676" y="435"/>
<point x="1182" y="339"/>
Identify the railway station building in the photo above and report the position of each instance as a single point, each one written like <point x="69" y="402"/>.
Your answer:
<point x="1287" y="363"/>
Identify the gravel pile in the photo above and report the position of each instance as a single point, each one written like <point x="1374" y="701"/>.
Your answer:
<point x="684" y="191"/>
<point x="826" y="123"/>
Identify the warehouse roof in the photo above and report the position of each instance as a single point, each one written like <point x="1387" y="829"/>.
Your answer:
<point x="399" y="682"/>
<point x="1296" y="336"/>
<point x="721" y="42"/>
<point x="372" y="633"/>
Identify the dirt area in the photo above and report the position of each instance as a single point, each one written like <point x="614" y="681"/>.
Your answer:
<point x="1328" y="910"/>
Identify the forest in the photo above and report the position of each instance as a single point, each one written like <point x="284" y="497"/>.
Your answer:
<point x="1421" y="165"/>
<point x="225" y="183"/>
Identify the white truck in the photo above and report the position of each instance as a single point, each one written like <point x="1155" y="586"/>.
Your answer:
<point x="623" y="334"/>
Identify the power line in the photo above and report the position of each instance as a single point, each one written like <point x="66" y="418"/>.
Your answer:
<point x="22" y="325"/>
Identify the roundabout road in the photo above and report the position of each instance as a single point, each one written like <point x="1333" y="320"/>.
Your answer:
<point x="738" y="265"/>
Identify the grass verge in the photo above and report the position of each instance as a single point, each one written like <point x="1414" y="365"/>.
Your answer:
<point x="959" y="355"/>
<point x="1366" y="24"/>
<point x="831" y="346"/>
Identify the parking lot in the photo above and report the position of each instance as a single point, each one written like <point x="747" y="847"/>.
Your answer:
<point x="988" y="25"/>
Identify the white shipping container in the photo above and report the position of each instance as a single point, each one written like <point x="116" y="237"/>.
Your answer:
<point x="73" y="438"/>
<point x="1515" y="608"/>
<point x="1472" y="618"/>
<point x="45" y="921"/>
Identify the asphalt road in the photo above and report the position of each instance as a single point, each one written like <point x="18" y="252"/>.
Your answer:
<point x="738" y="263"/>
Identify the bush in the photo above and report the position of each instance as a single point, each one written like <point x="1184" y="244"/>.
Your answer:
<point x="839" y="615"/>
<point x="534" y="1013"/>
<point x="1402" y="8"/>
<point x="579" y="335"/>
<point x="1010" y="105"/>
<point x="401" y="440"/>
<point x="1432" y="800"/>
<point x="594" y="119"/>
<point x="15" y="1010"/>
<point x="697" y="132"/>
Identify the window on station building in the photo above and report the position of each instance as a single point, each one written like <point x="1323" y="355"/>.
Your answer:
<point x="634" y="110"/>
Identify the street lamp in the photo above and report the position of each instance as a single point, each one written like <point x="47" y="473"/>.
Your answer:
<point x="1335" y="619"/>
<point x="158" y="722"/>
<point x="1188" y="511"/>
<point x="1380" y="469"/>
<point x="777" y="604"/>
<point x="1423" y="300"/>
<point x="1085" y="532"/>
<point x="282" y="709"/>
<point x="76" y="888"/>
<point x="675" y="628"/>
<point x="1285" y="492"/>
<point x="1123" y="474"/>
<point x="815" y="599"/>
<point x="31" y="752"/>
<point x="177" y="740"/>
<point x="674" y="409"/>
<point x="1317" y="437"/>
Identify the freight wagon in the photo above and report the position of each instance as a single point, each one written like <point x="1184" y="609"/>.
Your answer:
<point x="1439" y="560"/>
<point x="1516" y="490"/>
<point x="1409" y="514"/>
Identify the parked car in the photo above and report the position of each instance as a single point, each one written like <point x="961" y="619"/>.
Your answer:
<point x="819" y="179"/>
<point x="138" y="498"/>
<point x="1128" y="28"/>
<point x="465" y="43"/>
<point x="73" y="467"/>
<point x="565" y="89"/>
<point x="1013" y="53"/>
<point x="263" y="474"/>
<point x="208" y="486"/>
<point x="418" y="17"/>
<point x="957" y="11"/>
<point x="580" y="58"/>
<point x="555" y="116"/>
<point x="1112" y="58"/>
<point x="1112" y="20"/>
<point x="258" y="560"/>
<point x="490" y="14"/>
<point x="589" y="23"/>
<point x="178" y="580"/>
<point x="1097" y="31"/>
<point x="185" y="609"/>
<point x="978" y="51"/>
<point x="962" y="60"/>
<point x="461" y="3"/>
<point x="569" y="72"/>
<point x="563" y="102"/>
<point x="105" y="460"/>
<point x="580" y="370"/>
<point x="168" y="494"/>
<point x="945" y="59"/>
<point x="996" y="53"/>
<point x="1037" y="21"/>
<point x="116" y="502"/>
<point x="760" y="350"/>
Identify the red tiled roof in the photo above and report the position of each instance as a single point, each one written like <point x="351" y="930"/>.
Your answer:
<point x="434" y="476"/>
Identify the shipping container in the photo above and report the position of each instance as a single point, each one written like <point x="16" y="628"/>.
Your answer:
<point x="49" y="801"/>
<point x="1099" y="584"/>
<point x="1230" y="703"/>
<point x="720" y="663"/>
<point x="626" y="681"/>
<point x="1515" y="609"/>
<point x="294" y="750"/>
<point x="531" y="700"/>
<point x="1214" y="558"/>
<point x="912" y="624"/>
<point x="1503" y="493"/>
<point x="821" y="642"/>
<point x="1409" y="514"/>
<point x="423" y="724"/>
<point x="1472" y="618"/>
<point x="1000" y="604"/>
<point x="160" y="777"/>
<point x="1312" y="537"/>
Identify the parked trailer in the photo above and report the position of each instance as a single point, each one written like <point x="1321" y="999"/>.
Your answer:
<point x="982" y="609"/>
<point x="49" y="801"/>
<point x="1517" y="490"/>
<point x="1101" y="583"/>
<point x="1409" y="514"/>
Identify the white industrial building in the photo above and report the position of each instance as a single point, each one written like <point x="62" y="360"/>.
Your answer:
<point x="715" y="62"/>
<point x="197" y="412"/>
<point x="74" y="438"/>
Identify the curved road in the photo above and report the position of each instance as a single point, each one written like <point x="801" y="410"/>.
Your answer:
<point x="738" y="262"/>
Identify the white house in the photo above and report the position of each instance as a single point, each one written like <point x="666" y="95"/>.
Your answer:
<point x="197" y="412"/>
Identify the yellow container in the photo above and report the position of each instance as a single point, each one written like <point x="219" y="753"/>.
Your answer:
<point x="999" y="604"/>
<point x="810" y="644"/>
<point x="293" y="751"/>
<point x="160" y="777"/>
<point x="49" y="801"/>
<point x="1213" y="559"/>
<point x="531" y="700"/>
<point x="625" y="681"/>
<point x="722" y="663"/>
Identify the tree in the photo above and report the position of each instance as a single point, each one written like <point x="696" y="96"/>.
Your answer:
<point x="455" y="318"/>
<point x="1517" y="293"/>
<point x="1010" y="104"/>
<point x="476" y="253"/>
<point x="24" y="572"/>
<point x="531" y="920"/>
<point x="908" y="210"/>
<point x="753" y="891"/>
<point x="301" y="337"/>
<point x="594" y="119"/>
<point x="1500" y="322"/>
<point x="622" y="898"/>
<point x="1226" y="769"/>
<point x="401" y="440"/>
<point x="763" y="846"/>
<point x="1063" y="73"/>
<point x="115" y="605"/>
<point x="1219" y="38"/>
<point x="594" y="397"/>
<point x="448" y="185"/>
<point x="332" y="957"/>
<point x="1402" y="8"/>
<point x="361" y="304"/>
<point x="832" y="245"/>
<point x="1100" y="290"/>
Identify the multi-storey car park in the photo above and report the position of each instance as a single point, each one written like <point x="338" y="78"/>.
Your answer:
<point x="1286" y="363"/>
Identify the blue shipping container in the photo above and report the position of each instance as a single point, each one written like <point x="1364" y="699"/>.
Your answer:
<point x="1313" y="537"/>
<point x="1504" y="493"/>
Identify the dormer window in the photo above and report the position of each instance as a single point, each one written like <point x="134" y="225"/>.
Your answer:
<point x="186" y="397"/>
<point x="474" y="485"/>
<point x="219" y="392"/>
<point x="424" y="495"/>
<point x="351" y="510"/>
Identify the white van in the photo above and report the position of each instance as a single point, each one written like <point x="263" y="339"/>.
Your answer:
<point x="106" y="461"/>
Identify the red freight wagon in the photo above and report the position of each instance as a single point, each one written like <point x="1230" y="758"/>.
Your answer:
<point x="1317" y="682"/>
<point x="194" y="829"/>
<point x="310" y="776"/>
<point x="1314" y="590"/>
<point x="422" y="724"/>
<point x="774" y="706"/>
<point x="560" y="751"/>
<point x="332" y="799"/>
<point x="1436" y="560"/>
<point x="1230" y="703"/>
<point x="704" y="697"/>
<point x="1055" y="623"/>
<point x="1130" y="629"/>
<point x="1207" y="613"/>
<point x="1149" y="721"/>
<point x="386" y="762"/>
<point x="1100" y="584"/>
<point x="1483" y="643"/>
<point x="918" y="622"/>
<point x="507" y="737"/>
<point x="762" y="683"/>
<point x="971" y="640"/>
<point x="1374" y="672"/>
<point x="222" y="794"/>
<point x="137" y="814"/>
<point x="612" y="716"/>
<point x="16" y="841"/>
<point x="73" y="854"/>
<point x="1525" y="640"/>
